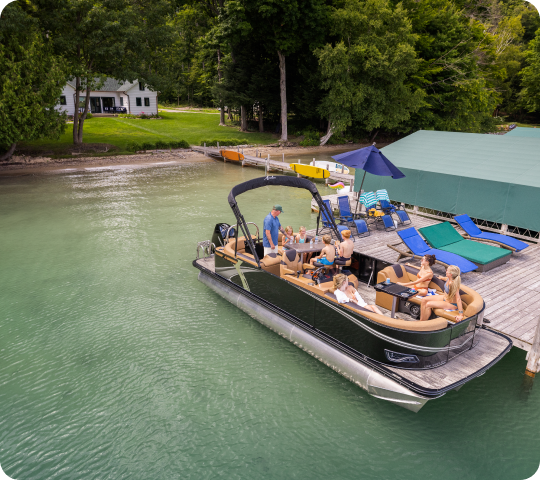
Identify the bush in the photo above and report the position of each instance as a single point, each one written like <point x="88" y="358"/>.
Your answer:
<point x="126" y="115"/>
<point x="161" y="145"/>
<point x="179" y="144"/>
<point x="89" y="115"/>
<point x="147" y="146"/>
<point x="311" y="138"/>
<point x="224" y="143"/>
<point x="337" y="140"/>
<point x="133" y="147"/>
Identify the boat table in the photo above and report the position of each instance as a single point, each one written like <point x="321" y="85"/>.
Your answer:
<point x="306" y="247"/>
<point x="397" y="291"/>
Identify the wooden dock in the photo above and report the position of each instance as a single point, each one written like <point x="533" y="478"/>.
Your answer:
<point x="272" y="165"/>
<point x="511" y="292"/>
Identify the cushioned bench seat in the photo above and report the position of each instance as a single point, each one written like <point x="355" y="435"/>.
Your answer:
<point x="444" y="237"/>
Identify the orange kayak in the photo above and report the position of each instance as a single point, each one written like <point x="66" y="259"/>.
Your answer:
<point x="232" y="155"/>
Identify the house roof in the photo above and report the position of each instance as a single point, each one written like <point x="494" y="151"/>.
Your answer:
<point x="110" y="85"/>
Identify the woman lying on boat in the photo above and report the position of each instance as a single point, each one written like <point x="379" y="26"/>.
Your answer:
<point x="346" y="293"/>
<point x="451" y="299"/>
<point x="425" y="274"/>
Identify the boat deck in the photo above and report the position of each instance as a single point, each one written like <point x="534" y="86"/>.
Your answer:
<point x="511" y="291"/>
<point x="490" y="346"/>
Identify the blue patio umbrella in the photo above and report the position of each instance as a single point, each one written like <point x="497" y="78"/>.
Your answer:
<point x="371" y="160"/>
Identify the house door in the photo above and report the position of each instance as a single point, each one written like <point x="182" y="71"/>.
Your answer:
<point x="108" y="104"/>
<point x="95" y="105"/>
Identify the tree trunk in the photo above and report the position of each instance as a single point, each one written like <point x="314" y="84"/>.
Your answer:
<point x="328" y="133"/>
<point x="83" y="116"/>
<point x="7" y="155"/>
<point x="243" y="119"/>
<point x="76" y="113"/>
<point x="283" y="92"/>
<point x="374" y="136"/>
<point x="221" y="111"/>
<point x="229" y="114"/>
<point x="261" y="125"/>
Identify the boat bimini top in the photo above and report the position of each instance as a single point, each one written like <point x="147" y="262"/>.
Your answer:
<point x="285" y="181"/>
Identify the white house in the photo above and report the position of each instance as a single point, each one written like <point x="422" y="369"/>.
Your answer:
<point x="113" y="97"/>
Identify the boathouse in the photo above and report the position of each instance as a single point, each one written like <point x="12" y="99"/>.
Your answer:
<point x="492" y="178"/>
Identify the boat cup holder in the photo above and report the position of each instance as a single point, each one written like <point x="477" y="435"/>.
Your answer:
<point x="410" y="308"/>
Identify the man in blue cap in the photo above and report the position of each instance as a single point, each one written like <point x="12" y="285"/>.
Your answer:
<point x="271" y="228"/>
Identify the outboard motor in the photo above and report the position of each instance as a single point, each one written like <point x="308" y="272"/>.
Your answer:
<point x="220" y="233"/>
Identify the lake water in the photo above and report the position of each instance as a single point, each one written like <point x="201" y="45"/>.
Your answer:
<point x="116" y="363"/>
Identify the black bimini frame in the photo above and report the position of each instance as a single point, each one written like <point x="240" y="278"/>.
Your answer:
<point x="277" y="181"/>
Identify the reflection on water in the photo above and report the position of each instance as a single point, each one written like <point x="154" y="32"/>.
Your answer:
<point x="117" y="363"/>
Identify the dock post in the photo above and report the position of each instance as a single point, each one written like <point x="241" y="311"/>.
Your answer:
<point x="533" y="357"/>
<point x="283" y="157"/>
<point x="205" y="149"/>
<point x="256" y="152"/>
<point x="415" y="209"/>
<point x="504" y="228"/>
<point x="218" y="145"/>
<point x="313" y="162"/>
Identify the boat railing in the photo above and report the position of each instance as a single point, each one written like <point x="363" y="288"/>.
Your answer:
<point x="207" y="247"/>
<point x="236" y="225"/>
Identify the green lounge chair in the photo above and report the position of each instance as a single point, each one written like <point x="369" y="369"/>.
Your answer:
<point x="444" y="237"/>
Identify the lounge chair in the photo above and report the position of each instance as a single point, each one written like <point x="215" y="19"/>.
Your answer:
<point x="345" y="214"/>
<point x="362" y="229"/>
<point x="418" y="247"/>
<point x="326" y="222"/>
<point x="388" y="223"/>
<point x="444" y="237"/>
<point x="389" y="208"/>
<point x="475" y="233"/>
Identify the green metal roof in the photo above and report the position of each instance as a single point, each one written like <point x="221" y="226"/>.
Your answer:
<point x="525" y="132"/>
<point x="500" y="158"/>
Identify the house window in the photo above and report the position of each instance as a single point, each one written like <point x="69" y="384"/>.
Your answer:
<point x="146" y="102"/>
<point x="121" y="101"/>
<point x="141" y="87"/>
<point x="63" y="100"/>
<point x="138" y="102"/>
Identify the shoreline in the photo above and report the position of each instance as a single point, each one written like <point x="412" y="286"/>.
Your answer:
<point x="28" y="165"/>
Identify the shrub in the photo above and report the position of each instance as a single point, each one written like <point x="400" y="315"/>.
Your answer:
<point x="133" y="147"/>
<point x="224" y="143"/>
<point x="89" y="115"/>
<point x="161" y="145"/>
<point x="311" y="138"/>
<point x="147" y="146"/>
<point x="126" y="115"/>
<point x="179" y="144"/>
<point x="337" y="140"/>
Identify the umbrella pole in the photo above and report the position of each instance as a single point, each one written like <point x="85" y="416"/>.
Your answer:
<point x="359" y="193"/>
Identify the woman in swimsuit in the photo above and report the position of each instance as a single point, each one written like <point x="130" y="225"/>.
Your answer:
<point x="451" y="299"/>
<point x="424" y="276"/>
<point x="346" y="293"/>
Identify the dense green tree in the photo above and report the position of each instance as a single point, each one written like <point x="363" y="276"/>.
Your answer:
<point x="102" y="38"/>
<point x="531" y="76"/>
<point x="365" y="72"/>
<point x="31" y="81"/>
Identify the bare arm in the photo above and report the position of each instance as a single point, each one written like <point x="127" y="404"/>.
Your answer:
<point x="269" y="237"/>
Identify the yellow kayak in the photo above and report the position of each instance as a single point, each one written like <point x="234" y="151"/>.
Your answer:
<point x="309" y="170"/>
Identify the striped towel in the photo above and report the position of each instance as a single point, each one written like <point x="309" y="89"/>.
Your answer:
<point x="368" y="199"/>
<point x="382" y="195"/>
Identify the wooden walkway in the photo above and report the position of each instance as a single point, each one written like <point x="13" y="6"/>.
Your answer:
<point x="511" y="292"/>
<point x="274" y="165"/>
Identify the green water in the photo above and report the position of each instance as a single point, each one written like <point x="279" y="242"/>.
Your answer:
<point x="117" y="363"/>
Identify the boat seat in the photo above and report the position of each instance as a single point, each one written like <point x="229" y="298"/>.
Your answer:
<point x="230" y="247"/>
<point x="271" y="263"/>
<point x="290" y="263"/>
<point x="350" y="304"/>
<point x="471" y="300"/>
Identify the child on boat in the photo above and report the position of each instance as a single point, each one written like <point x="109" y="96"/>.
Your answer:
<point x="345" y="248"/>
<point x="328" y="253"/>
<point x="346" y="293"/>
<point x="302" y="236"/>
<point x="288" y="237"/>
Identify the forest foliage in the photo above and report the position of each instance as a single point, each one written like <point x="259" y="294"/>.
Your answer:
<point x="336" y="69"/>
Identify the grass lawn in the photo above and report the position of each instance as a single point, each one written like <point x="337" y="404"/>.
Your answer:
<point x="192" y="127"/>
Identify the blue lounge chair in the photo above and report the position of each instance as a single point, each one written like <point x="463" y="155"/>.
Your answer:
<point x="345" y="215"/>
<point x="384" y="201"/>
<point x="419" y="247"/>
<point x="326" y="222"/>
<point x="361" y="228"/>
<point x="475" y="233"/>
<point x="388" y="222"/>
<point x="403" y="217"/>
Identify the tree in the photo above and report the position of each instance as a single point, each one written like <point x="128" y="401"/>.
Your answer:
<point x="365" y="72"/>
<point x="31" y="81"/>
<point x="531" y="75"/>
<point x="102" y="38"/>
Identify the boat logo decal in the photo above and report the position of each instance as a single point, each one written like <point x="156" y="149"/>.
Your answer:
<point x="241" y="274"/>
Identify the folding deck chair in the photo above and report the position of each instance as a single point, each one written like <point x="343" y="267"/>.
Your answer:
<point x="475" y="233"/>
<point x="416" y="244"/>
<point x="389" y="208"/>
